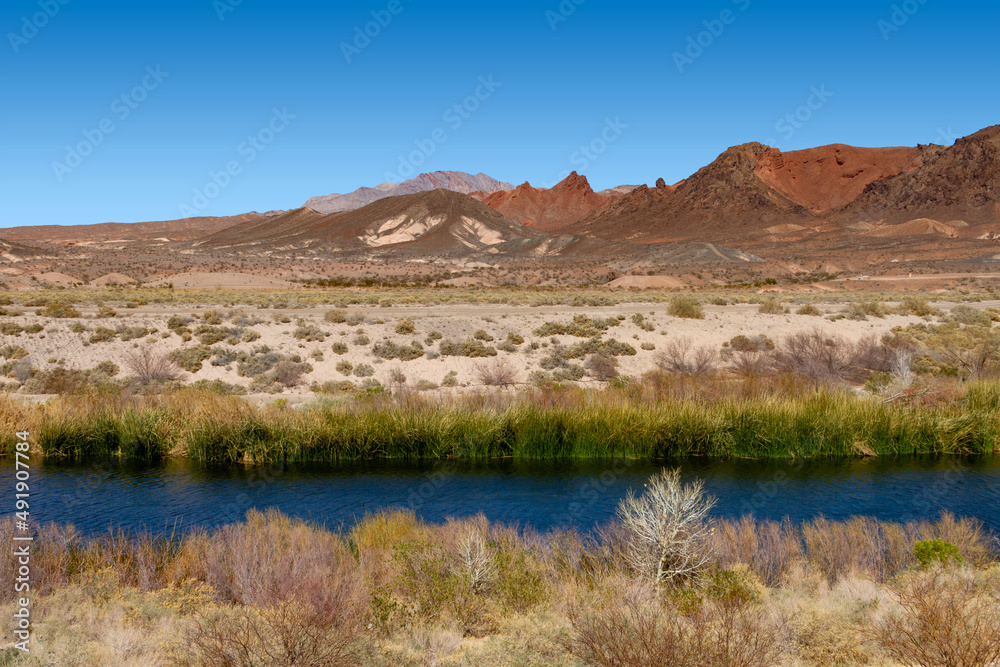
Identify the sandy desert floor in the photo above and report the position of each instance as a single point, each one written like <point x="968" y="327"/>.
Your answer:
<point x="330" y="347"/>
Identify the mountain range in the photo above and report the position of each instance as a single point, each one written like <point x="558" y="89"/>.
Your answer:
<point x="830" y="199"/>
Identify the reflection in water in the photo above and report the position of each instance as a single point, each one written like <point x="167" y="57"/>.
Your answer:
<point x="180" y="495"/>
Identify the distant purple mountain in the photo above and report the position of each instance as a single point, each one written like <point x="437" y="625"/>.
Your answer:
<point x="457" y="181"/>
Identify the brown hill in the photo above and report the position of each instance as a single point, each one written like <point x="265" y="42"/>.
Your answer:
<point x="725" y="202"/>
<point x="570" y="200"/>
<point x="958" y="182"/>
<point x="830" y="177"/>
<point x="172" y="230"/>
<point x="439" y="222"/>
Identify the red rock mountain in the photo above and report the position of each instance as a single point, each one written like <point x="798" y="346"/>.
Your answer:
<point x="753" y="190"/>
<point x="549" y="210"/>
<point x="960" y="182"/>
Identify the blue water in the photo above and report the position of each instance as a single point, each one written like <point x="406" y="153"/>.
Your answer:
<point x="179" y="495"/>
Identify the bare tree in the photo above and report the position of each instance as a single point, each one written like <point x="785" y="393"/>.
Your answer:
<point x="902" y="367"/>
<point x="148" y="366"/>
<point x="669" y="526"/>
<point x="477" y="560"/>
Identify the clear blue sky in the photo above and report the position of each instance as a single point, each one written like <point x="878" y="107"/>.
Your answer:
<point x="226" y="66"/>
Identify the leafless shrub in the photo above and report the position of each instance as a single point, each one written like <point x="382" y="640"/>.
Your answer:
<point x="602" y="367"/>
<point x="945" y="619"/>
<point x="826" y="358"/>
<point x="768" y="548"/>
<point x="477" y="560"/>
<point x="638" y="634"/>
<point x="751" y="364"/>
<point x="496" y="373"/>
<point x="283" y="633"/>
<point x="669" y="526"/>
<point x="147" y="366"/>
<point x="681" y="359"/>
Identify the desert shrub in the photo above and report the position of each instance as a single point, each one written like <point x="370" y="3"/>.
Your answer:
<point x="515" y="339"/>
<point x="148" y="366"/>
<point x="640" y="321"/>
<point x="13" y="352"/>
<point x="34" y="328"/>
<point x="581" y="327"/>
<point x="102" y="335"/>
<point x="602" y="367"/>
<point x="484" y="336"/>
<point x="569" y="373"/>
<point x="944" y="618"/>
<point x="822" y="357"/>
<point x="424" y="384"/>
<point x="634" y="633"/>
<point x="970" y="316"/>
<point x="469" y="348"/>
<point x="336" y="316"/>
<point x="259" y="361"/>
<point x="496" y="373"/>
<point x="390" y="350"/>
<point x="682" y="358"/>
<point x="936" y="551"/>
<point x="288" y="372"/>
<point x="11" y="329"/>
<point x="212" y="317"/>
<point x="191" y="358"/>
<point x="77" y="328"/>
<point x="450" y="380"/>
<point x="310" y="333"/>
<point x="224" y="357"/>
<point x="916" y="305"/>
<point x="341" y="387"/>
<point x="648" y="347"/>
<point x="59" y="310"/>
<point x="178" y="322"/>
<point x="61" y="381"/>
<point x="345" y="367"/>
<point x="339" y="348"/>
<point x="686" y="307"/>
<point x="364" y="370"/>
<point x="758" y="343"/>
<point x="433" y="337"/>
<point x="772" y="306"/>
<point x="248" y="336"/>
<point x="810" y="310"/>
<point x="132" y="333"/>
<point x="107" y="311"/>
<point x="360" y="339"/>
<point x="862" y="310"/>
<point x="405" y="327"/>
